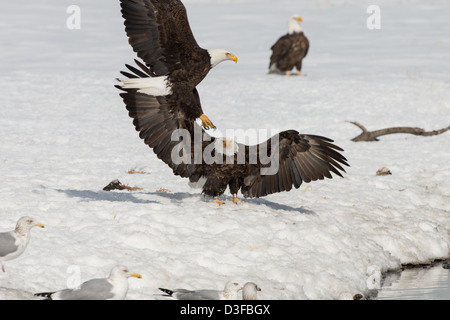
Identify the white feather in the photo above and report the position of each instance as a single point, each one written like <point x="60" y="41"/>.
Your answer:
<point x="273" y="68"/>
<point x="157" y="86"/>
<point x="199" y="184"/>
<point x="294" y="26"/>
<point x="226" y="146"/>
<point x="218" y="56"/>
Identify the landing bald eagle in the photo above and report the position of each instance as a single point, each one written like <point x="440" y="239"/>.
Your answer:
<point x="161" y="121"/>
<point x="159" y="32"/>
<point x="288" y="52"/>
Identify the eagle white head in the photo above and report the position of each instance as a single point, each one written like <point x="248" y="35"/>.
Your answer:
<point x="220" y="55"/>
<point x="295" y="24"/>
<point x="226" y="146"/>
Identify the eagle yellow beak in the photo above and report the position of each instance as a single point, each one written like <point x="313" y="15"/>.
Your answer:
<point x="299" y="19"/>
<point x="232" y="57"/>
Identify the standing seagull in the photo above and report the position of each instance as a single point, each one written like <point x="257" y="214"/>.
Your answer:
<point x="229" y="293"/>
<point x="289" y="51"/>
<point x="14" y="243"/>
<point x="159" y="32"/>
<point x="249" y="291"/>
<point x="115" y="287"/>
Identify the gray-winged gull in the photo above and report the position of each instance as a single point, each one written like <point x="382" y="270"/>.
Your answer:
<point x="115" y="287"/>
<point x="249" y="291"/>
<point x="13" y="243"/>
<point x="229" y="293"/>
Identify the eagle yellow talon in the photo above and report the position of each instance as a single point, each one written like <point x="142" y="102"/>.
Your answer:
<point x="206" y="123"/>
<point x="235" y="200"/>
<point x="218" y="201"/>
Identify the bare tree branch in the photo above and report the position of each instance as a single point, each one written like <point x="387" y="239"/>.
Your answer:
<point x="367" y="135"/>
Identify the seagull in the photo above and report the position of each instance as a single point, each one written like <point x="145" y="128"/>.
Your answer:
<point x="114" y="287"/>
<point x="249" y="291"/>
<point x="13" y="243"/>
<point x="229" y="293"/>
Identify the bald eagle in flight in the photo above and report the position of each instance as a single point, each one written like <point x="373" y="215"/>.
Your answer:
<point x="288" y="52"/>
<point x="159" y="32"/>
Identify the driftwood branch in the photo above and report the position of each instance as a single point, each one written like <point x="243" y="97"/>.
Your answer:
<point x="367" y="135"/>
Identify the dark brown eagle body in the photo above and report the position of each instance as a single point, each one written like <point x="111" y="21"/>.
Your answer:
<point x="288" y="52"/>
<point x="220" y="176"/>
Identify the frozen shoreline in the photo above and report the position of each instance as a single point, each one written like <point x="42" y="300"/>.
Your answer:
<point x="418" y="282"/>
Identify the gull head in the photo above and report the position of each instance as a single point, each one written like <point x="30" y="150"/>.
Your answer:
<point x="25" y="224"/>
<point x="121" y="271"/>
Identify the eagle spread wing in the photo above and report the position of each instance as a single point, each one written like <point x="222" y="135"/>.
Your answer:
<point x="159" y="32"/>
<point x="293" y="159"/>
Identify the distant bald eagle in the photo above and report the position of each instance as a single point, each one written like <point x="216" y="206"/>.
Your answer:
<point x="159" y="32"/>
<point x="167" y="124"/>
<point x="288" y="52"/>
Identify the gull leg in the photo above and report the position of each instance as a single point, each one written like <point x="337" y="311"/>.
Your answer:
<point x="3" y="268"/>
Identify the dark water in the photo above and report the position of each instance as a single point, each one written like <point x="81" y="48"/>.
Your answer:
<point x="419" y="283"/>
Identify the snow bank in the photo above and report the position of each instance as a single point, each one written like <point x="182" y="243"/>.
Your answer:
<point x="66" y="134"/>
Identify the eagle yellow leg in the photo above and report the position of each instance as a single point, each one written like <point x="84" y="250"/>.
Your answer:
<point x="206" y="123"/>
<point x="218" y="201"/>
<point x="287" y="74"/>
<point x="235" y="199"/>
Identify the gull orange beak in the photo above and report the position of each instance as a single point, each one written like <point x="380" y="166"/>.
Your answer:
<point x="136" y="275"/>
<point x="39" y="225"/>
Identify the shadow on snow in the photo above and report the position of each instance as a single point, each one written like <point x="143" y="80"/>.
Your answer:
<point x="101" y="195"/>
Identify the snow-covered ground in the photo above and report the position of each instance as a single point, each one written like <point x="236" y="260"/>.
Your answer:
<point x="65" y="134"/>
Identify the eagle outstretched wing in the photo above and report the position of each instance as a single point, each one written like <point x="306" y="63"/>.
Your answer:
<point x="157" y="118"/>
<point x="294" y="158"/>
<point x="159" y="32"/>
